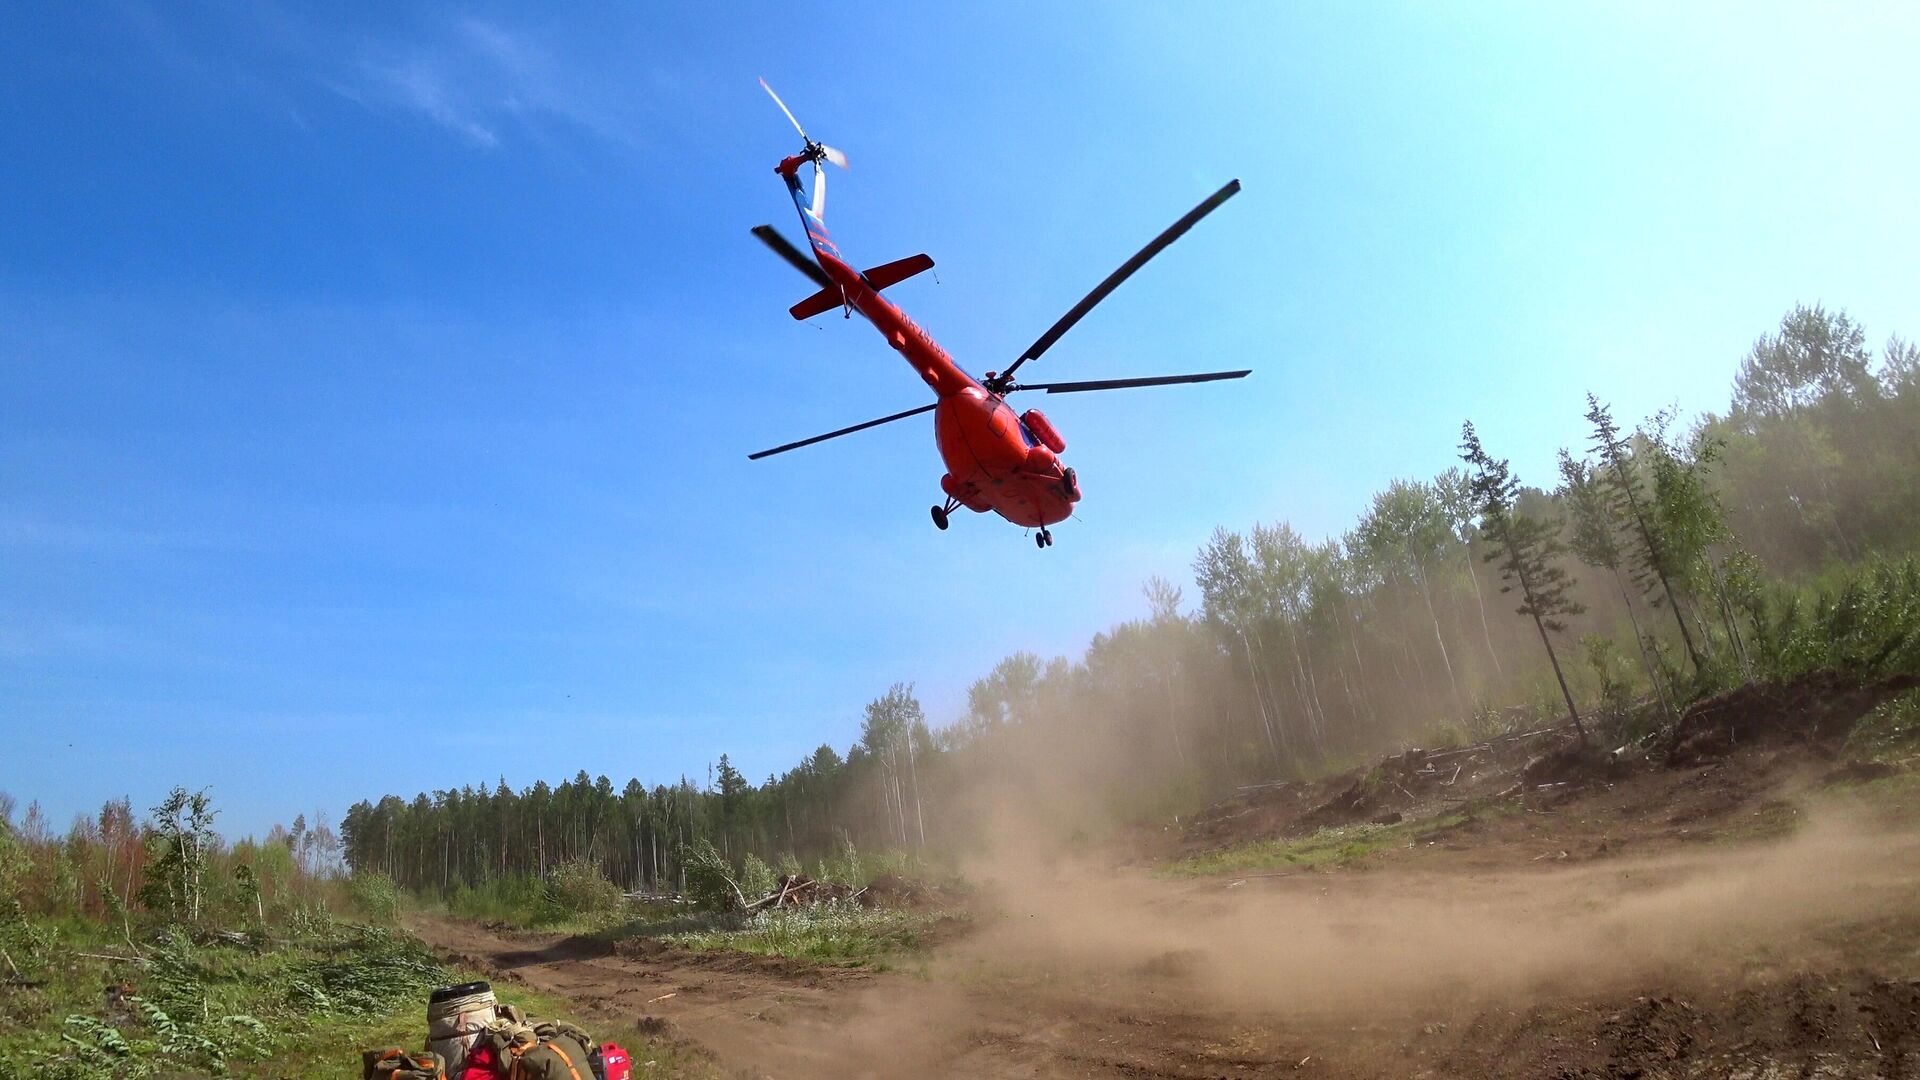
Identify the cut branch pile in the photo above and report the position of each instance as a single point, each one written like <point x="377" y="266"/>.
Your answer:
<point x="799" y="890"/>
<point x="1503" y="765"/>
<point x="885" y="891"/>
<point x="644" y="897"/>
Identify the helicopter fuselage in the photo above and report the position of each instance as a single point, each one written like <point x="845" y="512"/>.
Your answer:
<point x="994" y="461"/>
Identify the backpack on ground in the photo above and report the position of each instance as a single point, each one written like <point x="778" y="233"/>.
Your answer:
<point x="558" y="1058"/>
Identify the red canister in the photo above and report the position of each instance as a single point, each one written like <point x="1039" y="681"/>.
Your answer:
<point x="618" y="1065"/>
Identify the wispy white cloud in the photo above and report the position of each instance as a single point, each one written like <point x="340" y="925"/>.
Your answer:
<point x="417" y="84"/>
<point x="485" y="82"/>
<point x="478" y="79"/>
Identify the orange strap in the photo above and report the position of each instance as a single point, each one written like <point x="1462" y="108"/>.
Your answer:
<point x="555" y="1047"/>
<point x="520" y="1061"/>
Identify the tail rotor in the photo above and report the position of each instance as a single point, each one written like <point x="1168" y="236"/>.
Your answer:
<point x="815" y="152"/>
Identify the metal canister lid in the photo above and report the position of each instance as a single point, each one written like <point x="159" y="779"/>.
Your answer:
<point x="462" y="990"/>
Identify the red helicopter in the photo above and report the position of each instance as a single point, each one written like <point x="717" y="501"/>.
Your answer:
<point x="995" y="460"/>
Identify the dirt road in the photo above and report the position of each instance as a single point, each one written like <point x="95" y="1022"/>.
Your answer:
<point x="1601" y="938"/>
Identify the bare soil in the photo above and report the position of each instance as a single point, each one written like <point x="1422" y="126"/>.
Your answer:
<point x="1734" y="919"/>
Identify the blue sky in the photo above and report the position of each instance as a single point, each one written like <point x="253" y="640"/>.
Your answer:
<point x="376" y="383"/>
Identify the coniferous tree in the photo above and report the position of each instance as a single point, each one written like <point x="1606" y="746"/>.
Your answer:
<point x="1596" y="542"/>
<point x="1629" y="502"/>
<point x="1692" y="519"/>
<point x="1526" y="548"/>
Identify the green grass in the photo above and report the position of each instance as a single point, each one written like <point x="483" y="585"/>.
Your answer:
<point x="303" y="1007"/>
<point x="1889" y="802"/>
<point x="1341" y="846"/>
<point x="827" y="933"/>
<point x="661" y="921"/>
<point x="1774" y="819"/>
<point x="206" y="1009"/>
<point x="1889" y="733"/>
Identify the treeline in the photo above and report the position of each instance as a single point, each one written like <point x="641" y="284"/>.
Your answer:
<point x="466" y="837"/>
<point x="1650" y="568"/>
<point x="169" y="863"/>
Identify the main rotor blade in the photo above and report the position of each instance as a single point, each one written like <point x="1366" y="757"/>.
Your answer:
<point x="843" y="431"/>
<point x="1122" y="384"/>
<point x="771" y="237"/>
<point x="1159" y="244"/>
<point x="784" y="109"/>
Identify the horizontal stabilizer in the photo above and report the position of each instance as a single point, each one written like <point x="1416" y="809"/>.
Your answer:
<point x="878" y="278"/>
<point x="898" y="270"/>
<point x="818" y="304"/>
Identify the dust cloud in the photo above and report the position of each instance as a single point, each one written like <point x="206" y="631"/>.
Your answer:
<point x="1404" y="939"/>
<point x="1073" y="960"/>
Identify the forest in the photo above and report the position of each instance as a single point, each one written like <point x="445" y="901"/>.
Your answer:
<point x="1663" y="562"/>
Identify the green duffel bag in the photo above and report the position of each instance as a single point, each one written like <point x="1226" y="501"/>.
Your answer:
<point x="554" y="1029"/>
<point x="560" y="1058"/>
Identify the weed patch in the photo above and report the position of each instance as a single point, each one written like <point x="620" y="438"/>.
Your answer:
<point x="1339" y="846"/>
<point x="181" y="1008"/>
<point x="825" y="933"/>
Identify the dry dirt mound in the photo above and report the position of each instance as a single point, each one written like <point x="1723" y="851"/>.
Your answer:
<point x="1409" y="784"/>
<point x="1818" y="709"/>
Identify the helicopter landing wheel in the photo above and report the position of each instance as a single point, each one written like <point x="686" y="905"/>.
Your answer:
<point x="940" y="518"/>
<point x="1043" y="539"/>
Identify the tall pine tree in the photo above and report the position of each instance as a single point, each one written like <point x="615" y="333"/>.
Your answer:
<point x="1596" y="542"/>
<point x="1526" y="549"/>
<point x="1628" y="502"/>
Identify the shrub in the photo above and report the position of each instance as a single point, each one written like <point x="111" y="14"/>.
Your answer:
<point x="1890" y="731"/>
<point x="375" y="896"/>
<point x="843" y="868"/>
<point x="756" y="877"/>
<point x="578" y="887"/>
<point x="1868" y="623"/>
<point x="709" y="880"/>
<point x="1612" y="675"/>
<point x="516" y="898"/>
